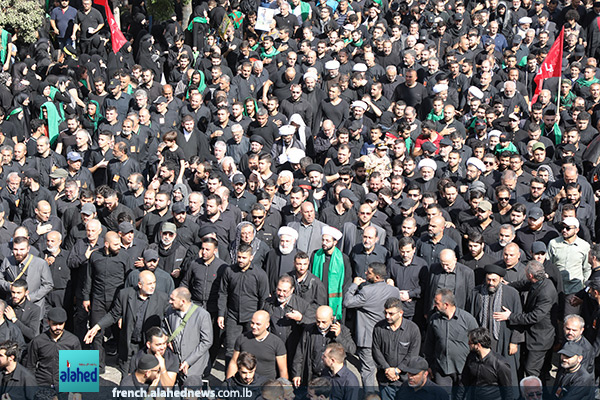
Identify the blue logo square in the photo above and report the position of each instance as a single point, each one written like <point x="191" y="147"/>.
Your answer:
<point x="78" y="371"/>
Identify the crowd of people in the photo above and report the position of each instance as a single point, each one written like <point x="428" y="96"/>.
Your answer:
<point x="362" y="182"/>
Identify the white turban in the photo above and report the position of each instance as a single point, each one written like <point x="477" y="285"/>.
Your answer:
<point x="286" y="230"/>
<point x="427" y="162"/>
<point x="477" y="163"/>
<point x="331" y="231"/>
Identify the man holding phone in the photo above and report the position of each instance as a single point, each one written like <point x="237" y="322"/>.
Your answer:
<point x="308" y="361"/>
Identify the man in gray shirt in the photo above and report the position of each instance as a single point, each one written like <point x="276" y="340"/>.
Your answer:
<point x="368" y="298"/>
<point x="22" y="265"/>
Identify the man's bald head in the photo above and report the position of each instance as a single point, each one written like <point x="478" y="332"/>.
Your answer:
<point x="146" y="277"/>
<point x="262" y="316"/>
<point x="324" y="313"/>
<point x="54" y="236"/>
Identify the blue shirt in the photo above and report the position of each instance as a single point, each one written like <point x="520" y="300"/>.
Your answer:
<point x="63" y="20"/>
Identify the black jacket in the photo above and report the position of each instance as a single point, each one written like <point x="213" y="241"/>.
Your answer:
<point x="203" y="282"/>
<point x="21" y="384"/>
<point x="307" y="362"/>
<point x="286" y="329"/>
<point x="488" y="378"/>
<point x="105" y="275"/>
<point x="124" y="307"/>
<point x="28" y="319"/>
<point x="535" y="318"/>
<point x="578" y="385"/>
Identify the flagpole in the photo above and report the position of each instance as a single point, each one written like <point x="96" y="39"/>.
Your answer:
<point x="558" y="97"/>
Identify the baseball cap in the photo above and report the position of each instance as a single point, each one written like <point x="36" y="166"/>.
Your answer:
<point x="414" y="365"/>
<point x="535" y="213"/>
<point x="59" y="173"/>
<point x="74" y="156"/>
<point x="169" y="227"/>
<point x="150" y="255"/>
<point x="88" y="209"/>
<point x="126" y="227"/>
<point x="571" y="349"/>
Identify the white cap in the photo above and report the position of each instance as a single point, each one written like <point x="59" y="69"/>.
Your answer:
<point x="359" y="67"/>
<point x="440" y="87"/>
<point x="571" y="221"/>
<point x="475" y="91"/>
<point x="477" y="163"/>
<point x="359" y="103"/>
<point x="286" y="230"/>
<point x="349" y="27"/>
<point x="310" y="74"/>
<point x="494" y="132"/>
<point x="297" y="119"/>
<point x="294" y="155"/>
<point x="287" y="130"/>
<point x="427" y="162"/>
<point x="331" y="231"/>
<point x="525" y="20"/>
<point x="332" y="64"/>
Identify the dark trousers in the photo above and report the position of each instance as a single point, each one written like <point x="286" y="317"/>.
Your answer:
<point x="216" y="345"/>
<point x="99" y="308"/>
<point x="80" y="320"/>
<point x="233" y="329"/>
<point x="534" y="362"/>
<point x="449" y="382"/>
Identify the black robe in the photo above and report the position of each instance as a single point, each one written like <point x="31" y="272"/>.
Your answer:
<point x="507" y="333"/>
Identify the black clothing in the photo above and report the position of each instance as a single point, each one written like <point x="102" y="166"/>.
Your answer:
<point x="242" y="292"/>
<point x="265" y="351"/>
<point x="42" y="356"/>
<point x="391" y="348"/>
<point x="488" y="378"/>
<point x="203" y="282"/>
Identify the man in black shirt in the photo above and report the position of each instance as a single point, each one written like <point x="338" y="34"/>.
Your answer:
<point x="246" y="376"/>
<point x="243" y="291"/>
<point x="146" y="376"/>
<point x="62" y="293"/>
<point x="269" y="349"/>
<point x="138" y="309"/>
<point x="156" y="345"/>
<point x="343" y="381"/>
<point x="22" y="312"/>
<point x="17" y="381"/>
<point x="394" y="340"/>
<point x="486" y="373"/>
<point x="88" y="21"/>
<point x="41" y="356"/>
<point x="106" y="273"/>
<point x="573" y="381"/>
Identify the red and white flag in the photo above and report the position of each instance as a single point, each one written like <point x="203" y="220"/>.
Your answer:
<point x="551" y="66"/>
<point x="116" y="36"/>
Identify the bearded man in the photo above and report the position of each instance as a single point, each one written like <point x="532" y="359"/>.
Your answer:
<point x="493" y="296"/>
<point x="280" y="261"/>
<point x="289" y="314"/>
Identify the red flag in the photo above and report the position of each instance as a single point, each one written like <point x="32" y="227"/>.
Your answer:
<point x="117" y="38"/>
<point x="551" y="66"/>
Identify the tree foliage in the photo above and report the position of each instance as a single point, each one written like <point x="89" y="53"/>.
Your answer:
<point x="23" y="17"/>
<point x="160" y="10"/>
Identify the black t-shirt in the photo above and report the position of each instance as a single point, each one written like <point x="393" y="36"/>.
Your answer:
<point x="175" y="156"/>
<point x="87" y="21"/>
<point x="67" y="139"/>
<point x="265" y="352"/>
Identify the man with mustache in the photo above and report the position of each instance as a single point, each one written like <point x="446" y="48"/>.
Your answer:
<point x="491" y="296"/>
